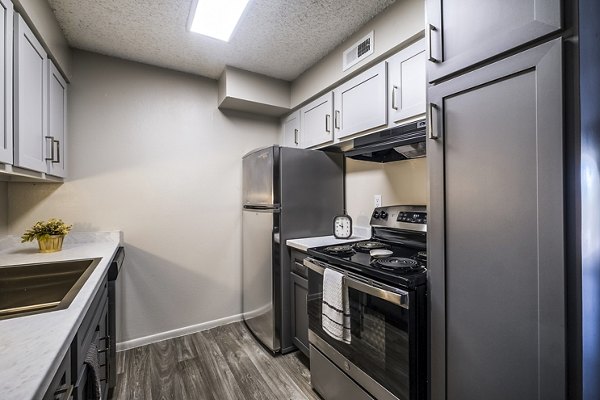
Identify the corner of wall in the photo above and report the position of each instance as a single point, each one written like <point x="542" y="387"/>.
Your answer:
<point x="222" y="87"/>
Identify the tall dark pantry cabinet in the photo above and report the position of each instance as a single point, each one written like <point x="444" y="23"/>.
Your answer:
<point x="496" y="234"/>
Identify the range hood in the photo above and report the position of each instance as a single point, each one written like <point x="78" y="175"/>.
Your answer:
<point x="395" y="144"/>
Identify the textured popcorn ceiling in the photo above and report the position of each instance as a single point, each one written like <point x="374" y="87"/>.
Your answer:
<point x="278" y="38"/>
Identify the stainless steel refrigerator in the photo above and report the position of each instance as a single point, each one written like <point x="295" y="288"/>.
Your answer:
<point x="287" y="193"/>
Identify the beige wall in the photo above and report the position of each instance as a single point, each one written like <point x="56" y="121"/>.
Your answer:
<point x="151" y="154"/>
<point x="400" y="182"/>
<point x="397" y="26"/>
<point x="39" y="14"/>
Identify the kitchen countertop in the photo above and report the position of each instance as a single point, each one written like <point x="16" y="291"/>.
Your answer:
<point x="32" y="347"/>
<point x="306" y="243"/>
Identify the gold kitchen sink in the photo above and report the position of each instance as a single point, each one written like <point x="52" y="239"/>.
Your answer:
<point x="35" y="288"/>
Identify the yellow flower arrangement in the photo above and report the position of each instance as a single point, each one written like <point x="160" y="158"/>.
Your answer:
<point x="43" y="230"/>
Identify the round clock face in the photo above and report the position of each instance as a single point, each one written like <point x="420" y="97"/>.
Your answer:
<point x="342" y="227"/>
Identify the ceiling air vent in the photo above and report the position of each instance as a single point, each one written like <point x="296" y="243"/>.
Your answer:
<point x="359" y="51"/>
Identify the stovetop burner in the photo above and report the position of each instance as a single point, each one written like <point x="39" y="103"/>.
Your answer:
<point x="402" y="230"/>
<point x="397" y="263"/>
<point x="339" y="250"/>
<point x="404" y="268"/>
<point x="367" y="246"/>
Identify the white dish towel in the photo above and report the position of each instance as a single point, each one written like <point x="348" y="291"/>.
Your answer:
<point x="335" y="316"/>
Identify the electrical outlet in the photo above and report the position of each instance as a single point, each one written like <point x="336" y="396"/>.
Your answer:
<point x="377" y="200"/>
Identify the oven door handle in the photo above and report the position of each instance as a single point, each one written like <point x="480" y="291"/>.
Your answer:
<point x="364" y="285"/>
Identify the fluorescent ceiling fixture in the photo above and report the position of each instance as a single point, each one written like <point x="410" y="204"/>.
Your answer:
<point x="217" y="18"/>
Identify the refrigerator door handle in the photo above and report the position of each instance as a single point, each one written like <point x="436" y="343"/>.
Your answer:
<point x="262" y="209"/>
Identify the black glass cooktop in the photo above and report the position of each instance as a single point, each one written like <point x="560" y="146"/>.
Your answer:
<point x="405" y="266"/>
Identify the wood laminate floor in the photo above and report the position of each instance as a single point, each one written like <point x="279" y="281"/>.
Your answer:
<point x="224" y="363"/>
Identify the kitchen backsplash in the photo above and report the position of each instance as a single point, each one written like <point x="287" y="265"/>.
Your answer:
<point x="402" y="182"/>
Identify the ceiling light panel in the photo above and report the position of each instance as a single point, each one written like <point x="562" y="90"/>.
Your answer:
<point x="217" y="18"/>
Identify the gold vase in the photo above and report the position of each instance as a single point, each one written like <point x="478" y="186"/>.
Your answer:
<point x="51" y="244"/>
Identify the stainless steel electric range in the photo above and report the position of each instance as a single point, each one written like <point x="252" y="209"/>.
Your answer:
<point x="386" y="357"/>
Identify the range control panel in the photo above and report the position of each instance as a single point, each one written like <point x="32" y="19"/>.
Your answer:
<point x="412" y="217"/>
<point x="400" y="217"/>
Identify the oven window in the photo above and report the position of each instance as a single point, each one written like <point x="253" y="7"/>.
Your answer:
<point x="380" y="331"/>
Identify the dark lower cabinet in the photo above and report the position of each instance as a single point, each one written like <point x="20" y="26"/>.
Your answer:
<point x="75" y="378"/>
<point x="92" y="337"/>
<point x="496" y="231"/>
<point x="298" y="294"/>
<point x="61" y="387"/>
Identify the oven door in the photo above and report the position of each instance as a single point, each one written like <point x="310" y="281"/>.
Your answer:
<point x="386" y="354"/>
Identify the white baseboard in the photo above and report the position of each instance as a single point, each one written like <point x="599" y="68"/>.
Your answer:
<point x="186" y="330"/>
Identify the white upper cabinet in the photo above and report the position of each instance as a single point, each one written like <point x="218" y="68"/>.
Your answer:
<point x="316" y="121"/>
<point x="6" y="37"/>
<point x="30" y="99"/>
<point x="407" y="83"/>
<point x="290" y="128"/>
<point x="462" y="34"/>
<point x="57" y="122"/>
<point x="361" y="102"/>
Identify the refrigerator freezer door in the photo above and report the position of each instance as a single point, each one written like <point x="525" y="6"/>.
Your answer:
<point x="258" y="177"/>
<point x="257" y="275"/>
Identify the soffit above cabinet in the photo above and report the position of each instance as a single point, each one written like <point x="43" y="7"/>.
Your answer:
<point x="277" y="38"/>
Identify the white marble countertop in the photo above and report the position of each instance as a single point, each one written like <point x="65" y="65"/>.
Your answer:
<point x="32" y="347"/>
<point x="306" y="243"/>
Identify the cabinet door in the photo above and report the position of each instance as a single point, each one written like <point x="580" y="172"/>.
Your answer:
<point x="407" y="83"/>
<point x="299" y="310"/>
<point x="290" y="128"/>
<point x="103" y="344"/>
<point x="315" y="120"/>
<point x="61" y="386"/>
<point x="30" y="104"/>
<point x="495" y="233"/>
<point x="361" y="103"/>
<point x="6" y="67"/>
<point x="463" y="33"/>
<point x="57" y="122"/>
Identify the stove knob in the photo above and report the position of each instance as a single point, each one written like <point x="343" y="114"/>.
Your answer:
<point x="375" y="214"/>
<point x="383" y="215"/>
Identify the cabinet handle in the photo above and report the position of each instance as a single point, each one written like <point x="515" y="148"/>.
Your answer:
<point x="57" y="151"/>
<point x="430" y="33"/>
<point x="107" y="344"/>
<point x="328" y="123"/>
<point x="67" y="390"/>
<point x="51" y="158"/>
<point x="337" y="119"/>
<point x="296" y="136"/>
<point x="433" y="128"/>
<point x="394" y="95"/>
